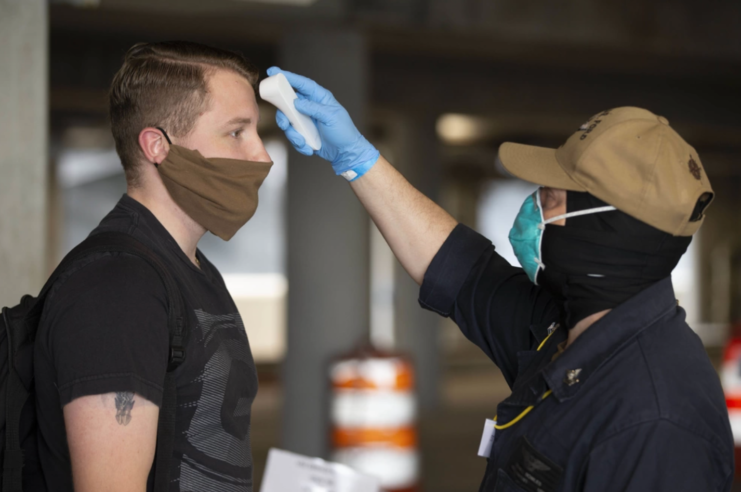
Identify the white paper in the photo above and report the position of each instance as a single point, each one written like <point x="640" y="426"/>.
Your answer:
<point x="487" y="438"/>
<point x="290" y="472"/>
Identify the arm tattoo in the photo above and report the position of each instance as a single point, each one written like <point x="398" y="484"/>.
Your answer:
<point x="124" y="404"/>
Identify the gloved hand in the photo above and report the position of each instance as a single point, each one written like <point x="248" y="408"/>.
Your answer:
<point x="349" y="152"/>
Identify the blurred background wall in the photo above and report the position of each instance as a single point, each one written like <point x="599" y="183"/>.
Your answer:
<point x="437" y="85"/>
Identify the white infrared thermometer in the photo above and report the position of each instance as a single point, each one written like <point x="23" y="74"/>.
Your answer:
<point x="277" y="91"/>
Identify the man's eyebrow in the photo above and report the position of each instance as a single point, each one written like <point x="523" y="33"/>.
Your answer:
<point x="240" y="120"/>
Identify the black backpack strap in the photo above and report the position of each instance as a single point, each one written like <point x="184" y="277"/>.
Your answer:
<point x="124" y="243"/>
<point x="165" y="435"/>
<point x="15" y="398"/>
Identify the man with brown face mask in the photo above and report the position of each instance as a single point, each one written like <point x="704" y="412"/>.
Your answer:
<point x="611" y="390"/>
<point x="184" y="119"/>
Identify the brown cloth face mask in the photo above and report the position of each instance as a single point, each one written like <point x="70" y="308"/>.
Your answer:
<point x="220" y="194"/>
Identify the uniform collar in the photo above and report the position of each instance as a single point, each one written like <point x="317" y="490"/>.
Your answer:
<point x="606" y="337"/>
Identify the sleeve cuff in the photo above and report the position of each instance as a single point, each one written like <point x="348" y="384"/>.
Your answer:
<point x="110" y="383"/>
<point x="450" y="268"/>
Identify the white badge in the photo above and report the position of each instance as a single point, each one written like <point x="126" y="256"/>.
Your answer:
<point x="290" y="472"/>
<point x="487" y="438"/>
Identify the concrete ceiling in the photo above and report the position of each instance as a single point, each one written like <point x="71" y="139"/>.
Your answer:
<point x="614" y="34"/>
<point x="520" y="62"/>
<point x="211" y="8"/>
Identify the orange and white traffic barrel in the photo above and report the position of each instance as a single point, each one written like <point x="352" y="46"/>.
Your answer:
<point x="373" y="417"/>
<point x="730" y="375"/>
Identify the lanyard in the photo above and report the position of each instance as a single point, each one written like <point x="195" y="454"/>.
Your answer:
<point x="528" y="409"/>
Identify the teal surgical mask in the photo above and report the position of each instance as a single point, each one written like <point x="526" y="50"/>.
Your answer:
<point x="526" y="235"/>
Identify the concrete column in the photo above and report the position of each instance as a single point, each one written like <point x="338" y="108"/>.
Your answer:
<point x="328" y="247"/>
<point x="23" y="147"/>
<point x="418" y="330"/>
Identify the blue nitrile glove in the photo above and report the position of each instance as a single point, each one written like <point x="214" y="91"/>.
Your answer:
<point x="349" y="152"/>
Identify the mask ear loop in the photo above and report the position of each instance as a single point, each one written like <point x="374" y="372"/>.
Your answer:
<point x="541" y="226"/>
<point x="608" y="208"/>
<point x="166" y="137"/>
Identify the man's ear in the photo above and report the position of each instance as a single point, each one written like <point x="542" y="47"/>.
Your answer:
<point x="154" y="145"/>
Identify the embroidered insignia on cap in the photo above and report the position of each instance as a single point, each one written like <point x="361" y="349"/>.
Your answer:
<point x="694" y="169"/>
<point x="592" y="123"/>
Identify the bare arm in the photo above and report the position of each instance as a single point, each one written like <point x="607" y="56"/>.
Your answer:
<point x="412" y="224"/>
<point x="112" y="440"/>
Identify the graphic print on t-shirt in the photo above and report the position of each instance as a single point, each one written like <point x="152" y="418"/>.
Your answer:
<point x="219" y="429"/>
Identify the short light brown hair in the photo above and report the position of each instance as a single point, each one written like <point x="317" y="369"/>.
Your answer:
<point x="164" y="84"/>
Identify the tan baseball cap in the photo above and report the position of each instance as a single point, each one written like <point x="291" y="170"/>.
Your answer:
<point x="629" y="158"/>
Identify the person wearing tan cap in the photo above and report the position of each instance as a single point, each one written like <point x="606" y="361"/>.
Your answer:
<point x="611" y="389"/>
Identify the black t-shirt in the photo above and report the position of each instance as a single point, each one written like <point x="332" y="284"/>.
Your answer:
<point x="104" y="330"/>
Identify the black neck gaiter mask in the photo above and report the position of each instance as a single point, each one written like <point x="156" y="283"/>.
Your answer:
<point x="598" y="261"/>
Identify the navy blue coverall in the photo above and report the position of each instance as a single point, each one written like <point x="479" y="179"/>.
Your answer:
<point x="635" y="405"/>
